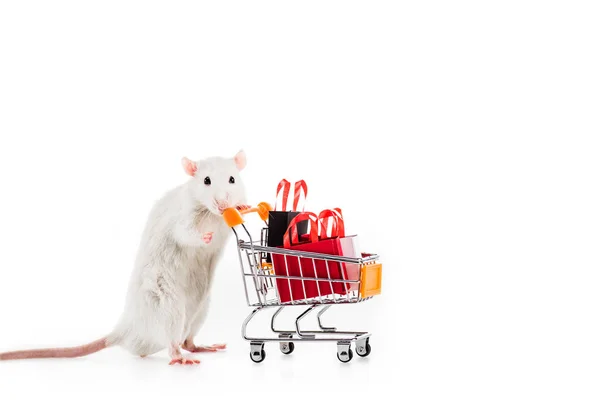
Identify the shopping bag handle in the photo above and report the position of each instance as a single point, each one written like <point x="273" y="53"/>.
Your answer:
<point x="337" y="229"/>
<point x="233" y="216"/>
<point x="283" y="188"/>
<point x="293" y="229"/>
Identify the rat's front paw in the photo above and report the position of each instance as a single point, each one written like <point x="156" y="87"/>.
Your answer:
<point x="207" y="237"/>
<point x="243" y="207"/>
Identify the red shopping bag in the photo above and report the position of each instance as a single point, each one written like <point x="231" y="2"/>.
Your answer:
<point x="316" y="241"/>
<point x="347" y="245"/>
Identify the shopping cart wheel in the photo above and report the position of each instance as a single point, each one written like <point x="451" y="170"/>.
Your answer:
<point x="257" y="351"/>
<point x="286" y="347"/>
<point x="344" y="353"/>
<point x="363" y="348"/>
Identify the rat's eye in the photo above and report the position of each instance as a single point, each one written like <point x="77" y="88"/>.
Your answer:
<point x="231" y="179"/>
<point x="207" y="181"/>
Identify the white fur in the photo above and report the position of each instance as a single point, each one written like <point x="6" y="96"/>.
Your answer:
<point x="167" y="299"/>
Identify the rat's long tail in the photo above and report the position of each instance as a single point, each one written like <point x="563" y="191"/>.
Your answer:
<point x="64" y="352"/>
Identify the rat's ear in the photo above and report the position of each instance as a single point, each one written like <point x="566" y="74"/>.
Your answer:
<point x="189" y="166"/>
<point x="240" y="160"/>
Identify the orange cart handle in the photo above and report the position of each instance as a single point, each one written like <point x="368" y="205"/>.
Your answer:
<point x="233" y="216"/>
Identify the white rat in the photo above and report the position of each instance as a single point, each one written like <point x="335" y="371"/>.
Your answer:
<point x="168" y="296"/>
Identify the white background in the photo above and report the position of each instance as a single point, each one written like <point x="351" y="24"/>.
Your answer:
<point x="459" y="138"/>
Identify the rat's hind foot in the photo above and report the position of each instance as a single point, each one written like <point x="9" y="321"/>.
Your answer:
<point x="184" y="361"/>
<point x="192" y="348"/>
<point x="177" y="358"/>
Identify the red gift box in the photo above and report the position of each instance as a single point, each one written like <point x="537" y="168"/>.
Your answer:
<point x="336" y="243"/>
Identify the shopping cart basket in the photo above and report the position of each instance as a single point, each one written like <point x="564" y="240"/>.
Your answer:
<point x="360" y="281"/>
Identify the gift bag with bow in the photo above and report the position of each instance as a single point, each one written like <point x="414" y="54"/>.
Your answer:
<point x="317" y="240"/>
<point x="283" y="213"/>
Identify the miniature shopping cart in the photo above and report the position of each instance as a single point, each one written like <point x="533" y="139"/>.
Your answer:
<point x="266" y="287"/>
